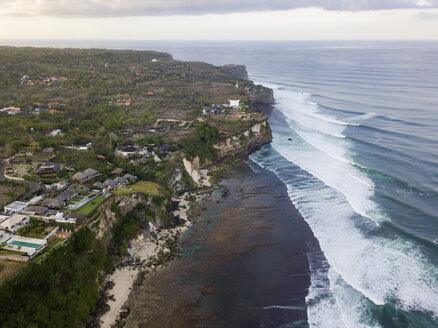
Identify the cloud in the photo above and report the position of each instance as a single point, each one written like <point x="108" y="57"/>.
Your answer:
<point x="112" y="8"/>
<point x="425" y="16"/>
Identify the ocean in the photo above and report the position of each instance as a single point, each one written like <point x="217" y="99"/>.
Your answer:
<point x="355" y="141"/>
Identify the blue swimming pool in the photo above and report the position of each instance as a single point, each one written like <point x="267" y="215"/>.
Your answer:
<point x="23" y="243"/>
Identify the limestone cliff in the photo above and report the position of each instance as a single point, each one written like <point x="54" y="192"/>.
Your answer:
<point x="107" y="218"/>
<point x="260" y="95"/>
<point x="241" y="144"/>
<point x="245" y="142"/>
<point x="238" y="71"/>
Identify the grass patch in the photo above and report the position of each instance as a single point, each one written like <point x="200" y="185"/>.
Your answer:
<point x="89" y="207"/>
<point x="52" y="242"/>
<point x="9" y="192"/>
<point x="35" y="229"/>
<point x="9" y="269"/>
<point x="11" y="252"/>
<point x="146" y="187"/>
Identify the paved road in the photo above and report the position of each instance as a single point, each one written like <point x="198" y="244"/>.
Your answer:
<point x="2" y="169"/>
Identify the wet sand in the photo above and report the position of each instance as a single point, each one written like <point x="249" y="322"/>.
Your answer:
<point x="242" y="264"/>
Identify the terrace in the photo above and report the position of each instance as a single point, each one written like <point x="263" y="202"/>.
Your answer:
<point x="25" y="246"/>
<point x="36" y="229"/>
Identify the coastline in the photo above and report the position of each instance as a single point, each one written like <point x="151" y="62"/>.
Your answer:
<point x="242" y="263"/>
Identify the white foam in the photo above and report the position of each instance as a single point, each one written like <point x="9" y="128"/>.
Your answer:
<point x="322" y="310"/>
<point x="363" y="117"/>
<point x="284" y="307"/>
<point x="299" y="102"/>
<point x="362" y="267"/>
<point x="295" y="107"/>
<point x="379" y="268"/>
<point x="333" y="172"/>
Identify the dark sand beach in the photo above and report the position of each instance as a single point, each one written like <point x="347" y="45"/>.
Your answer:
<point x="242" y="264"/>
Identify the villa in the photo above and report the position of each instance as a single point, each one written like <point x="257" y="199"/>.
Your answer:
<point x="234" y="103"/>
<point x="88" y="174"/>
<point x="48" y="170"/>
<point x="14" y="222"/>
<point x="54" y="133"/>
<point x="29" y="246"/>
<point x="10" y="110"/>
<point x="15" y="207"/>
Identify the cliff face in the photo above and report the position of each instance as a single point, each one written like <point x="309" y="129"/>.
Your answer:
<point x="240" y="145"/>
<point x="199" y="175"/>
<point x="260" y="95"/>
<point x="245" y="142"/>
<point x="107" y="218"/>
<point x="238" y="71"/>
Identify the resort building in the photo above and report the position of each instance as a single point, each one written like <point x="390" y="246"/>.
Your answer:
<point x="234" y="103"/>
<point x="14" y="222"/>
<point x="15" y="207"/>
<point x="48" y="170"/>
<point x="36" y="210"/>
<point x="88" y="174"/>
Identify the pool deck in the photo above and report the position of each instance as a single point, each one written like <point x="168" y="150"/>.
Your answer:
<point x="29" y="250"/>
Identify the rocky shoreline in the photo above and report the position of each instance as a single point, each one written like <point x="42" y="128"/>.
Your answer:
<point x="152" y="249"/>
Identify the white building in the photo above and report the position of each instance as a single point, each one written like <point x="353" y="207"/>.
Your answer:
<point x="35" y="199"/>
<point x="14" y="222"/>
<point x="4" y="236"/>
<point x="234" y="103"/>
<point x="15" y="207"/>
<point x="3" y="216"/>
<point x="54" y="133"/>
<point x="11" y="110"/>
<point x="55" y="186"/>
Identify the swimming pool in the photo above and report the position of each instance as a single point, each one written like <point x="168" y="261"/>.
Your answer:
<point x="23" y="243"/>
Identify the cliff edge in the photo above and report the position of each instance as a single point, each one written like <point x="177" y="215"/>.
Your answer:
<point x="240" y="144"/>
<point x="237" y="71"/>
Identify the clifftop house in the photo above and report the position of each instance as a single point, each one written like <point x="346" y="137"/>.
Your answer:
<point x="234" y="103"/>
<point x="60" y="200"/>
<point x="15" y="207"/>
<point x="85" y="176"/>
<point x="14" y="222"/>
<point x="11" y="110"/>
<point x="48" y="170"/>
<point x="126" y="150"/>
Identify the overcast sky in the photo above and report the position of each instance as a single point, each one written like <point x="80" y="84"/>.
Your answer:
<point x="219" y="20"/>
